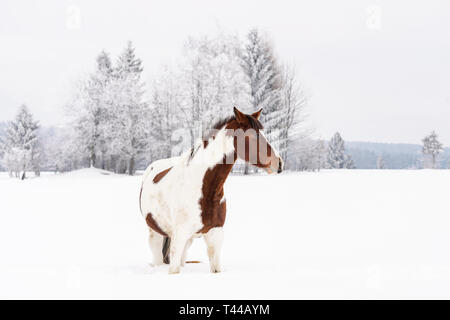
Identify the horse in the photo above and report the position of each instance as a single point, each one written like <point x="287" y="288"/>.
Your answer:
<point x="182" y="198"/>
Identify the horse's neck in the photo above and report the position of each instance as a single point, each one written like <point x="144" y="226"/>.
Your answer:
<point x="213" y="182"/>
<point x="214" y="159"/>
<point x="216" y="150"/>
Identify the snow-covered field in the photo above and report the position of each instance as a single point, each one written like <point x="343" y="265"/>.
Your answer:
<point x="333" y="234"/>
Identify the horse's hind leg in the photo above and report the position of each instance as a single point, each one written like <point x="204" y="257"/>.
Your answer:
<point x="214" y="240"/>
<point x="186" y="248"/>
<point x="156" y="244"/>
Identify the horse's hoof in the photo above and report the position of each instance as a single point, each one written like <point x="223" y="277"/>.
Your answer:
<point x="174" y="270"/>
<point x="155" y="264"/>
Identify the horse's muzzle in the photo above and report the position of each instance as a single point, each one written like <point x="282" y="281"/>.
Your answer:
<point x="280" y="166"/>
<point x="276" y="166"/>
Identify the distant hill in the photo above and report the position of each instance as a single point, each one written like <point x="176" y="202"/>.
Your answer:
<point x="395" y="155"/>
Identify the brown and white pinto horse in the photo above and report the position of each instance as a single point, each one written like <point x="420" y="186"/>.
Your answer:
<point x="182" y="197"/>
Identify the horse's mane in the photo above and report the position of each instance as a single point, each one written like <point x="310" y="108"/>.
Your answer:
<point x="219" y="124"/>
<point x="254" y="123"/>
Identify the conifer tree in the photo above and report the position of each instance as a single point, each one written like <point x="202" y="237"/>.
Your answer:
<point x="336" y="156"/>
<point x="130" y="110"/>
<point x="432" y="148"/>
<point x="21" y="144"/>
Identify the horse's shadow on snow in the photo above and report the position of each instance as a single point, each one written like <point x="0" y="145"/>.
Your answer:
<point x="151" y="269"/>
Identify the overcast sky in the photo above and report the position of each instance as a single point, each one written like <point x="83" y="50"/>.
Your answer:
<point x="375" y="70"/>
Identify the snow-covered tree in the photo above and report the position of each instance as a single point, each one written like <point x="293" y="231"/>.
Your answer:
<point x="115" y="127"/>
<point x="319" y="155"/>
<point x="292" y="113"/>
<point x="307" y="155"/>
<point x="431" y="148"/>
<point x="130" y="111"/>
<point x="259" y="65"/>
<point x="101" y="87"/>
<point x="336" y="157"/>
<point x="276" y="89"/>
<point x="89" y="107"/>
<point x="61" y="152"/>
<point x="336" y="152"/>
<point x="165" y="113"/>
<point x="265" y="79"/>
<point x="212" y="81"/>
<point x="380" y="163"/>
<point x="109" y="113"/>
<point x="21" y="144"/>
<point x="349" y="164"/>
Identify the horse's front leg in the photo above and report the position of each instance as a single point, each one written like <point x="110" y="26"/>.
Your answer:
<point x="177" y="245"/>
<point x="214" y="240"/>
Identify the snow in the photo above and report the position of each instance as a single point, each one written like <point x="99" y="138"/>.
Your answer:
<point x="332" y="234"/>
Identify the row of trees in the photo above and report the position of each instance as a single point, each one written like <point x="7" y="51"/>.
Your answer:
<point x="108" y="115"/>
<point x="24" y="148"/>
<point x="309" y="154"/>
<point x="313" y="154"/>
<point x="116" y="123"/>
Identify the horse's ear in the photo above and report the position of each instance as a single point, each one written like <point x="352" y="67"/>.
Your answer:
<point x="257" y="114"/>
<point x="240" y="117"/>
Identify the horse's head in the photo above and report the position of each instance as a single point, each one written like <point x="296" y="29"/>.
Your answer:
<point x="251" y="145"/>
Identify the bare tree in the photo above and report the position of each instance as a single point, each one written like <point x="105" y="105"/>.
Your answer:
<point x="293" y="111"/>
<point x="165" y="113"/>
<point x="212" y="81"/>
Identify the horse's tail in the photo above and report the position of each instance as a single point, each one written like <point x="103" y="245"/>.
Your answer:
<point x="165" y="250"/>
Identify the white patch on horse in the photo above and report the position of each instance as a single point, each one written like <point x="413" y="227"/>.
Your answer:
<point x="275" y="151"/>
<point x="214" y="241"/>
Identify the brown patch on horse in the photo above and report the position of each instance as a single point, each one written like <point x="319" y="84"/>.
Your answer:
<point x="161" y="175"/>
<point x="213" y="210"/>
<point x="250" y="122"/>
<point x="154" y="225"/>
<point x="246" y="122"/>
<point x="193" y="261"/>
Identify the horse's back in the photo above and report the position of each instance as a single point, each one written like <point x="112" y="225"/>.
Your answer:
<point x="156" y="171"/>
<point x="153" y="201"/>
<point x="158" y="166"/>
